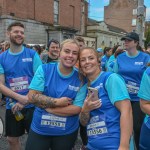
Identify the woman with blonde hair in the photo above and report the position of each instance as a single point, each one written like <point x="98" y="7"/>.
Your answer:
<point x="57" y="93"/>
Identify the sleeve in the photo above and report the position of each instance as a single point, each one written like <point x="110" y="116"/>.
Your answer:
<point x="1" y="69"/>
<point x="80" y="97"/>
<point x="110" y="67"/>
<point x="36" y="62"/>
<point x="115" y="66"/>
<point x="38" y="80"/>
<point x="119" y="92"/>
<point x="144" y="91"/>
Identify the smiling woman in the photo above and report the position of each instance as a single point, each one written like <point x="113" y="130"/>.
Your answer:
<point x="104" y="117"/>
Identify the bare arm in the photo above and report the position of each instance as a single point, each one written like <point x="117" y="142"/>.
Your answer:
<point x="8" y="92"/>
<point x="84" y="117"/>
<point x="126" y="123"/>
<point x="145" y="106"/>
<point x="88" y="106"/>
<point x="65" y="111"/>
<point x="43" y="101"/>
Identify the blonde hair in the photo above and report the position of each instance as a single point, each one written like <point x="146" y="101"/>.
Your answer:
<point x="68" y="41"/>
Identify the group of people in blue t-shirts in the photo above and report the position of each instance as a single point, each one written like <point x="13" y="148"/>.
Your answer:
<point x="56" y="95"/>
<point x="131" y="64"/>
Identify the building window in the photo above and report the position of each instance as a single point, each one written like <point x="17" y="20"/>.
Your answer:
<point x="72" y="16"/>
<point x="56" y="11"/>
<point x="133" y="22"/>
<point x="134" y="11"/>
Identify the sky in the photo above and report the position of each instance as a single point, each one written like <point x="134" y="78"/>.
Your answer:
<point x="96" y="9"/>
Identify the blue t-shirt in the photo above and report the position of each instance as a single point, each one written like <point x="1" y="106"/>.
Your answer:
<point x="103" y="128"/>
<point x="18" y="69"/>
<point x="144" y="92"/>
<point x="132" y="69"/>
<point x="104" y="62"/>
<point x="51" y="82"/>
<point x="110" y="63"/>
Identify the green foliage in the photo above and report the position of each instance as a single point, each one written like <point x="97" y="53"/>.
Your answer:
<point x="147" y="35"/>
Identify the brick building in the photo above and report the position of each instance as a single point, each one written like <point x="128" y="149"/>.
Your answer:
<point x="46" y="19"/>
<point x="122" y="14"/>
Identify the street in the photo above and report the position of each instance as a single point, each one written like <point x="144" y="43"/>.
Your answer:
<point x="4" y="143"/>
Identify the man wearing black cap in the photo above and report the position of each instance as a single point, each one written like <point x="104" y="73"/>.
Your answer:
<point x="131" y="65"/>
<point x="131" y="36"/>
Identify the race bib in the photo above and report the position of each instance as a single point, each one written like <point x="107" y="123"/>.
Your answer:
<point x="19" y="84"/>
<point x="52" y="121"/>
<point x="97" y="126"/>
<point x="132" y="87"/>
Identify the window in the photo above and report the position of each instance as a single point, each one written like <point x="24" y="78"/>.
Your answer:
<point x="134" y="11"/>
<point x="72" y="15"/>
<point x="56" y="11"/>
<point x="133" y="22"/>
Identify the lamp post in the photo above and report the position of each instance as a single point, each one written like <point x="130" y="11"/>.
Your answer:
<point x="140" y="21"/>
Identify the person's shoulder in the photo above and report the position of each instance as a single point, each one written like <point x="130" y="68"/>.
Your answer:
<point x="26" y="49"/>
<point x="50" y="64"/>
<point x="144" y="54"/>
<point x="147" y="71"/>
<point x="3" y="54"/>
<point x="122" y="54"/>
<point x="115" y="76"/>
<point x="29" y="51"/>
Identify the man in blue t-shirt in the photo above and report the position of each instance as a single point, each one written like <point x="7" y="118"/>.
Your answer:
<point x="17" y="67"/>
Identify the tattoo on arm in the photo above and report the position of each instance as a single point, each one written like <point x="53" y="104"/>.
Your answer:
<point x="43" y="101"/>
<point x="84" y="118"/>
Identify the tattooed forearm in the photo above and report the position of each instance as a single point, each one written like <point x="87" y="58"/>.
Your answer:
<point x="43" y="101"/>
<point x="84" y="118"/>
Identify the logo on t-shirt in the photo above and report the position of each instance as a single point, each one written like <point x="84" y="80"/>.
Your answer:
<point x="99" y="86"/>
<point x="26" y="59"/>
<point x="138" y="63"/>
<point x="73" y="88"/>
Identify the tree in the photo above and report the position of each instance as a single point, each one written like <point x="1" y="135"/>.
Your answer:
<point x="147" y="35"/>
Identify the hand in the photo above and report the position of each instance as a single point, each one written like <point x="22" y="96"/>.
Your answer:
<point x="17" y="107"/>
<point x="24" y="99"/>
<point x="90" y="105"/>
<point x="63" y="101"/>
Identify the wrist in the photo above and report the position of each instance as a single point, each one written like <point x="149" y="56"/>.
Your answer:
<point x="56" y="102"/>
<point x="124" y="146"/>
<point x="85" y="110"/>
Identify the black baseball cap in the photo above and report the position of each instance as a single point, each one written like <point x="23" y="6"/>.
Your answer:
<point x="131" y="36"/>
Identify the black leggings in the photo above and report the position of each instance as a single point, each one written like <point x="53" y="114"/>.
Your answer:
<point x="83" y="134"/>
<point x="138" y="117"/>
<point x="43" y="142"/>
